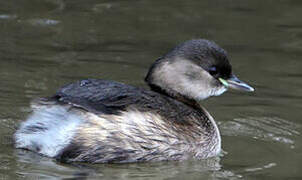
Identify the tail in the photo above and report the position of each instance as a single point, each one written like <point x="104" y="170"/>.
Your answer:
<point x="48" y="129"/>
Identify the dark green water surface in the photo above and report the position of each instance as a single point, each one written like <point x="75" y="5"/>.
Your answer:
<point x="47" y="43"/>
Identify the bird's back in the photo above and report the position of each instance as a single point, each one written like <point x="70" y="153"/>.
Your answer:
<point x="109" y="97"/>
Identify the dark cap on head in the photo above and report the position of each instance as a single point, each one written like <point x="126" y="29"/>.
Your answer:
<point x="205" y="53"/>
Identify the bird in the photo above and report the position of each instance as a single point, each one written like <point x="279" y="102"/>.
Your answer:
<point x="103" y="121"/>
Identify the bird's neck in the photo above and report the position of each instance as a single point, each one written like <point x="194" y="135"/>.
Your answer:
<point x="175" y="95"/>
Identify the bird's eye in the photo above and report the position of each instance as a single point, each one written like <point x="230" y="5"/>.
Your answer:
<point x="213" y="70"/>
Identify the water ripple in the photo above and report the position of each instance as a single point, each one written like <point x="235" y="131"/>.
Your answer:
<point x="270" y="165"/>
<point x="263" y="128"/>
<point x="43" y="22"/>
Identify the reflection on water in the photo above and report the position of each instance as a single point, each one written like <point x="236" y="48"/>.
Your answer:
<point x="41" y="167"/>
<point x="45" y="44"/>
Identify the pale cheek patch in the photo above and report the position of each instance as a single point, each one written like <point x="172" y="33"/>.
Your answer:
<point x="218" y="91"/>
<point x="175" y="77"/>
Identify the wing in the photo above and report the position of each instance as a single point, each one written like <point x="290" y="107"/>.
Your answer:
<point x="102" y="96"/>
<point x="109" y="97"/>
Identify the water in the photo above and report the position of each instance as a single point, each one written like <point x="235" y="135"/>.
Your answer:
<point x="47" y="43"/>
